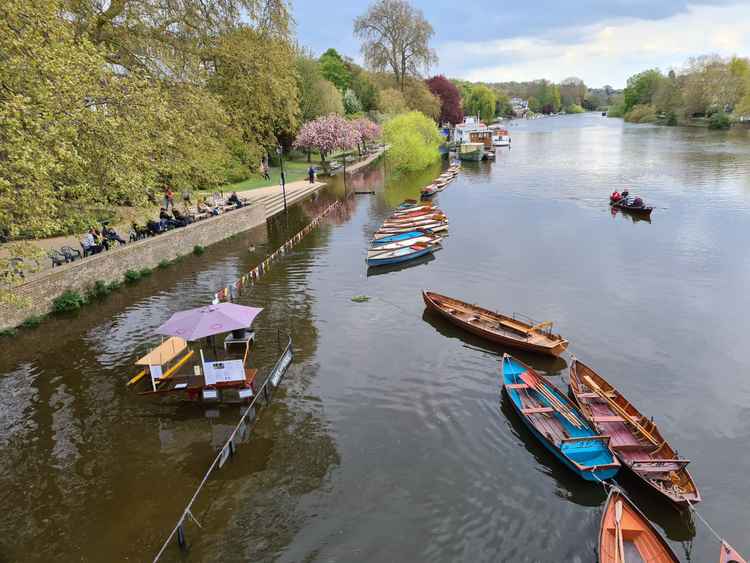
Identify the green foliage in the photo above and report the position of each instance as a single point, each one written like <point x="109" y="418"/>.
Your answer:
<point x="719" y="120"/>
<point x="352" y="104"/>
<point x="360" y="298"/>
<point x="145" y="272"/>
<point x="481" y="102"/>
<point x="67" y="302"/>
<point x="163" y="264"/>
<point x="419" y="98"/>
<point x="335" y="70"/>
<point x="642" y="113"/>
<point x="132" y="276"/>
<point x="8" y="333"/>
<point x="574" y="108"/>
<point x="617" y="110"/>
<point x="114" y="285"/>
<point x="414" y="141"/>
<point x="364" y="88"/>
<point x="392" y="102"/>
<point x="198" y="250"/>
<point x="670" y="118"/>
<point x="33" y="321"/>
<point x="98" y="290"/>
<point x="641" y="88"/>
<point x="318" y="96"/>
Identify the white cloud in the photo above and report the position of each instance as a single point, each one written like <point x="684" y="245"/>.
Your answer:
<point x="604" y="53"/>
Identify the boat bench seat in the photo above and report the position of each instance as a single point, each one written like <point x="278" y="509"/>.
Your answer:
<point x="537" y="410"/>
<point x="609" y="394"/>
<point x="612" y="418"/>
<point x="517" y="386"/>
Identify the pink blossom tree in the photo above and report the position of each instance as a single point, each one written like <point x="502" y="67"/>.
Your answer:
<point x="367" y="131"/>
<point x="325" y="135"/>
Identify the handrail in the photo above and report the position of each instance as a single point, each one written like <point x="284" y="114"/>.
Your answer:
<point x="228" y="448"/>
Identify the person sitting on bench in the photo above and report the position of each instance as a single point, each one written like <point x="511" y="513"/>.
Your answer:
<point x="90" y="245"/>
<point x="235" y="200"/>
<point x="180" y="220"/>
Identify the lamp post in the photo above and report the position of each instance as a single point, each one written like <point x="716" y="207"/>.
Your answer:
<point x="280" y="152"/>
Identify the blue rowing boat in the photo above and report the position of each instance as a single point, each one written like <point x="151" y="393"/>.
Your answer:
<point x="556" y="422"/>
<point x="399" y="238"/>
<point x="400" y="255"/>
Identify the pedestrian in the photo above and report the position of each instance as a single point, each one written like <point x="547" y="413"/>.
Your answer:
<point x="168" y="198"/>
<point x="311" y="174"/>
<point x="264" y="169"/>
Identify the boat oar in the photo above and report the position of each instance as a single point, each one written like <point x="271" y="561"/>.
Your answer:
<point x="619" y="410"/>
<point x="553" y="401"/>
<point x="618" y="531"/>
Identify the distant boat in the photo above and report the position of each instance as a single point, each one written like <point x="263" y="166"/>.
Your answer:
<point x="635" y="439"/>
<point x="632" y="206"/>
<point x="625" y="534"/>
<point x="495" y="326"/>
<point x="471" y="151"/>
<point x="557" y="423"/>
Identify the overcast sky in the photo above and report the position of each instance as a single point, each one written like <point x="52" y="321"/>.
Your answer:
<point x="600" y="41"/>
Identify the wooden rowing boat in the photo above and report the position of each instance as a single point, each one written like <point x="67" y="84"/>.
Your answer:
<point x="421" y="213"/>
<point x="413" y="223"/>
<point x="426" y="239"/>
<point x="729" y="554"/>
<point x="626" y="535"/>
<point x="436" y="215"/>
<point x="415" y="209"/>
<point x="434" y="226"/>
<point x="402" y="254"/>
<point x="636" y="440"/>
<point x="495" y="326"/>
<point x="556" y="422"/>
<point x="388" y="233"/>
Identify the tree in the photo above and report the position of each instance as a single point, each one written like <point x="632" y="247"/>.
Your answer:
<point x="335" y="70"/>
<point x="572" y="91"/>
<point x="481" y="102"/>
<point x="317" y="96"/>
<point x="351" y="102"/>
<point x="395" y="36"/>
<point x="367" y="132"/>
<point x="450" y="99"/>
<point x="325" y="135"/>
<point x="392" y="102"/>
<point x="641" y="88"/>
<point x="363" y="87"/>
<point x="414" y="141"/>
<point x="419" y="98"/>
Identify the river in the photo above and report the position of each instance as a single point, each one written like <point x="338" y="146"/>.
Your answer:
<point x="390" y="440"/>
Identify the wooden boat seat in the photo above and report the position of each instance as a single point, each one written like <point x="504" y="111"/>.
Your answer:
<point x="609" y="394"/>
<point x="517" y="386"/>
<point x="537" y="410"/>
<point x="630" y="447"/>
<point x="607" y="419"/>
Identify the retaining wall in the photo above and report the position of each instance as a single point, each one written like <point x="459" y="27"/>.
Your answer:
<point x="42" y="289"/>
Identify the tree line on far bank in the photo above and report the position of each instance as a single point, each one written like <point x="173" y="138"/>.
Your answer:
<point x="709" y="87"/>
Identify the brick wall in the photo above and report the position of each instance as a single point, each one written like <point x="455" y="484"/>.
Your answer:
<point x="110" y="266"/>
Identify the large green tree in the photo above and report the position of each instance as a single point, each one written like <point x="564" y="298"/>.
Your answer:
<point x="317" y="96"/>
<point x="334" y="69"/>
<point x="413" y="140"/>
<point x="481" y="102"/>
<point x="641" y="88"/>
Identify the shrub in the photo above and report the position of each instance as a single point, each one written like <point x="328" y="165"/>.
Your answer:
<point x="8" y="332"/>
<point x="33" y="321"/>
<point x="68" y="301"/>
<point x="574" y="108"/>
<point x="99" y="289"/>
<point x="719" y="120"/>
<point x="642" y="113"/>
<point x="414" y="141"/>
<point x="670" y="118"/>
<point x="163" y="264"/>
<point x="145" y="272"/>
<point x="198" y="250"/>
<point x="617" y="110"/>
<point x="114" y="285"/>
<point x="132" y="276"/>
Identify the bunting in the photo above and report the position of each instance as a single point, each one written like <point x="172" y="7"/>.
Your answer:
<point x="251" y="278"/>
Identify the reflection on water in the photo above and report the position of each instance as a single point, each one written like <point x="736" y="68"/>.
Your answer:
<point x="390" y="440"/>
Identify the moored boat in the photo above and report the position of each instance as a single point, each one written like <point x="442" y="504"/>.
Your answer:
<point x="555" y="421"/>
<point x="635" y="439"/>
<point x="413" y="222"/>
<point x="729" y="554"/>
<point x="625" y="534"/>
<point x="426" y="239"/>
<point x="402" y="254"/>
<point x="497" y="327"/>
<point x="435" y="226"/>
<point x="402" y="237"/>
<point x="429" y="191"/>
<point x="471" y="151"/>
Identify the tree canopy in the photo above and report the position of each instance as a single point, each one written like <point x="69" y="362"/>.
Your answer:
<point x="481" y="102"/>
<point x="450" y="99"/>
<point x="395" y="36"/>
<point x="335" y="70"/>
<point x="414" y="141"/>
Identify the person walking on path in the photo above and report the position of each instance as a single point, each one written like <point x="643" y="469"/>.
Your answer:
<point x="311" y="174"/>
<point x="168" y="198"/>
<point x="264" y="169"/>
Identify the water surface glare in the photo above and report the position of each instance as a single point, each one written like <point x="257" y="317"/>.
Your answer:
<point x="390" y="440"/>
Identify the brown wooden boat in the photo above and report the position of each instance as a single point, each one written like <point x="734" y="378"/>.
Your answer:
<point x="497" y="327"/>
<point x="729" y="554"/>
<point x="634" y="438"/>
<point x="627" y="535"/>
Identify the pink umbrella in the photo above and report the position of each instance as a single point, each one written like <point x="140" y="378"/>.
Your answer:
<point x="195" y="324"/>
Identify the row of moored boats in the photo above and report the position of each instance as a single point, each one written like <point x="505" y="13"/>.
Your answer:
<point x="594" y="431"/>
<point x="414" y="230"/>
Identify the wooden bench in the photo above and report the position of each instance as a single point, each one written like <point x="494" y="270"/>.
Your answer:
<point x="517" y="386"/>
<point x="609" y="394"/>
<point x="612" y="418"/>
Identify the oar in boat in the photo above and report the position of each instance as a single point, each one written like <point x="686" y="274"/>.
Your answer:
<point x="621" y="411"/>
<point x="618" y="530"/>
<point x="554" y="402"/>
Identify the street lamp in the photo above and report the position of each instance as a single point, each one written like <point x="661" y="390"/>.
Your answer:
<point x="280" y="152"/>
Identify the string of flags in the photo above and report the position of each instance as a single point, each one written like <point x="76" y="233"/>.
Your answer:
<point x="230" y="292"/>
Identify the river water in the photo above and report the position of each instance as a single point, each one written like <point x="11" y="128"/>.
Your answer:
<point x="390" y="440"/>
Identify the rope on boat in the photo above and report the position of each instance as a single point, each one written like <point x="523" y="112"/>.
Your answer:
<point x="702" y="519"/>
<point x="228" y="449"/>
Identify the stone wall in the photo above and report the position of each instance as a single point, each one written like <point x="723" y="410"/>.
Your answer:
<point x="42" y="289"/>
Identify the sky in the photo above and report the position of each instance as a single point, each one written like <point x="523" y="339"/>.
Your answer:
<point x="600" y="41"/>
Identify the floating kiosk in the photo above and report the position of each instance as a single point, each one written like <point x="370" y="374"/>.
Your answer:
<point x="206" y="357"/>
